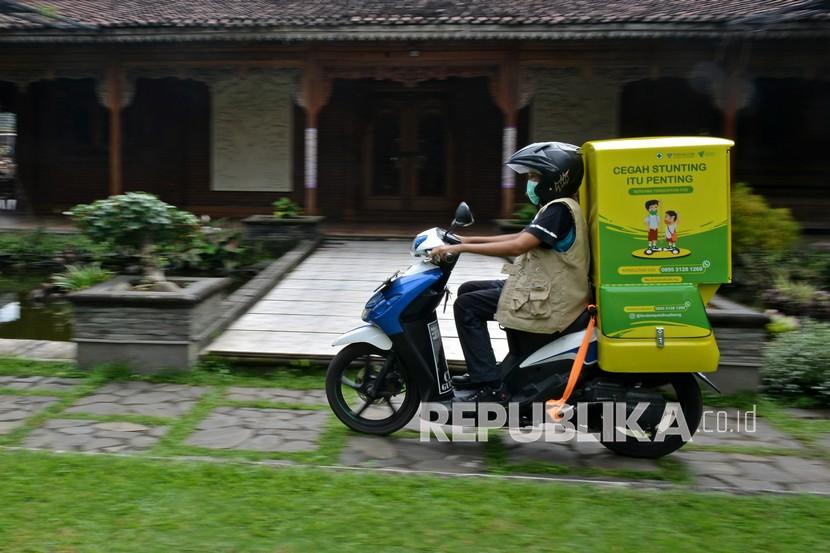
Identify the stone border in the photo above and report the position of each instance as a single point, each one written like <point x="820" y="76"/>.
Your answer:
<point x="38" y="350"/>
<point x="724" y="313"/>
<point x="740" y="333"/>
<point x="195" y="290"/>
<point x="255" y="289"/>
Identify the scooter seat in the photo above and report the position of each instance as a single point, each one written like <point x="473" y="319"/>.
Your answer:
<point x="521" y="342"/>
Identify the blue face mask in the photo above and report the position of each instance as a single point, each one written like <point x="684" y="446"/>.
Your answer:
<point x="531" y="192"/>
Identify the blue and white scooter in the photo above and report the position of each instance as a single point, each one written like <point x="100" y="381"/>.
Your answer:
<point x="396" y="361"/>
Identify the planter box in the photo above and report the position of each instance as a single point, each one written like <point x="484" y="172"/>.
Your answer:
<point x="147" y="331"/>
<point x="277" y="232"/>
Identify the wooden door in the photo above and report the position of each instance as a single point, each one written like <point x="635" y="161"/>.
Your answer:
<point x="408" y="156"/>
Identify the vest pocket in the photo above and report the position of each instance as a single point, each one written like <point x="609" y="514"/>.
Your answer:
<point x="531" y="301"/>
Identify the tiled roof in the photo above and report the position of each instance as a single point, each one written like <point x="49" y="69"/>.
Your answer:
<point x="113" y="15"/>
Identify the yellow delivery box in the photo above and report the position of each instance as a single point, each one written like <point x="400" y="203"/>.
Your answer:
<point x="658" y="210"/>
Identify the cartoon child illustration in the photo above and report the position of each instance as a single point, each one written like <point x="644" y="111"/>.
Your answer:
<point x="652" y="221"/>
<point x="671" y="230"/>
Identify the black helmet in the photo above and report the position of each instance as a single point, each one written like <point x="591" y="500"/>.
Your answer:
<point x="558" y="163"/>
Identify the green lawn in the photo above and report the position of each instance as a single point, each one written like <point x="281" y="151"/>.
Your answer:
<point x="79" y="503"/>
<point x="63" y="503"/>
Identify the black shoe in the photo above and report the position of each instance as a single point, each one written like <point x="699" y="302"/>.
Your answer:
<point x="465" y="382"/>
<point x="486" y="394"/>
<point x="462" y="381"/>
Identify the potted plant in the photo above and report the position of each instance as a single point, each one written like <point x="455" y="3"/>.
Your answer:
<point x="150" y="321"/>
<point x="284" y="225"/>
<point x="522" y="216"/>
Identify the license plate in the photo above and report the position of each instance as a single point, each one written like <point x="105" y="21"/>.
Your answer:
<point x="442" y="372"/>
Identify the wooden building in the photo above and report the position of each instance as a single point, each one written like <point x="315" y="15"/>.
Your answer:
<point x="396" y="110"/>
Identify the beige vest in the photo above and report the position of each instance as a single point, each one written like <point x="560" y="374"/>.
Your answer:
<point x="547" y="290"/>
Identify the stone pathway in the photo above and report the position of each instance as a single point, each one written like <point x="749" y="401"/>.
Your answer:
<point x="756" y="473"/>
<point x="575" y="454"/>
<point x="14" y="410"/>
<point x="410" y="453"/>
<point x="282" y="423"/>
<point x="35" y="383"/>
<point x="324" y="296"/>
<point x="283" y="430"/>
<point x="277" y="395"/>
<point x="735" y="429"/>
<point x="140" y="398"/>
<point x="90" y="435"/>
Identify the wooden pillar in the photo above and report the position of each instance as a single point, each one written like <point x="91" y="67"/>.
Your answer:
<point x="730" y="107"/>
<point x="506" y="94"/>
<point x="508" y="176"/>
<point x="730" y="125"/>
<point x="315" y="93"/>
<point x="115" y="92"/>
<point x="311" y="164"/>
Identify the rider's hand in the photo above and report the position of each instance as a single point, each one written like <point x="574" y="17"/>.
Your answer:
<point x="441" y="252"/>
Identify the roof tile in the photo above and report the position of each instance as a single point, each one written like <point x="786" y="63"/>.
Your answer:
<point x="328" y="13"/>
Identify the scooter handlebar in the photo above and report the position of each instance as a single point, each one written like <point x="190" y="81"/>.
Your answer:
<point x="449" y="237"/>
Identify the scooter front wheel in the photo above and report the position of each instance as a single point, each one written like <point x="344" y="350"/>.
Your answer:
<point x="370" y="391"/>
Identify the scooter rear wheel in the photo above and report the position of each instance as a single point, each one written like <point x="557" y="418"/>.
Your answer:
<point x="370" y="391"/>
<point x="686" y="392"/>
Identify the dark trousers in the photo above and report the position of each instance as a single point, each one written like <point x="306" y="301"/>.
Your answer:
<point x="475" y="305"/>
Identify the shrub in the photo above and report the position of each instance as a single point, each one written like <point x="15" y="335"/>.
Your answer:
<point x="781" y="323"/>
<point x="524" y="213"/>
<point x="137" y="223"/>
<point x="798" y="363"/>
<point x="757" y="227"/>
<point x="763" y="240"/>
<point x="285" y="208"/>
<point x="216" y="246"/>
<point x="39" y="247"/>
<point x="795" y="283"/>
<point x="78" y="277"/>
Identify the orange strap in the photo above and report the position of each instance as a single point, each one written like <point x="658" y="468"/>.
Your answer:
<point x="555" y="405"/>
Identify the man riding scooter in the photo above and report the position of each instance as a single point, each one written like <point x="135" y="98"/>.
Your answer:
<point x="547" y="286"/>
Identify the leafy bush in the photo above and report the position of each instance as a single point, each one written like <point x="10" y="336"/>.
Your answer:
<point x="284" y="208"/>
<point x="795" y="283"/>
<point x="138" y="223"/>
<point x="78" y="277"/>
<point x="757" y="227"/>
<point x="808" y="264"/>
<point x="216" y="246"/>
<point x="781" y="323"/>
<point x="42" y="248"/>
<point x="524" y="213"/>
<point x="768" y="269"/>
<point x="798" y="363"/>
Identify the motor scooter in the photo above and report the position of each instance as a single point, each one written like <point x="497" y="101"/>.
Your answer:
<point x="396" y="361"/>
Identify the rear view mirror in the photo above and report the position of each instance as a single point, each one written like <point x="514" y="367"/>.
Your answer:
<point x="463" y="216"/>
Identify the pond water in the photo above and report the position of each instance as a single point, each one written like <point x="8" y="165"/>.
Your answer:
<point x="24" y="318"/>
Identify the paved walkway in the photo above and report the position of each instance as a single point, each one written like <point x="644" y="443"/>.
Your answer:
<point x="296" y="426"/>
<point x="324" y="296"/>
